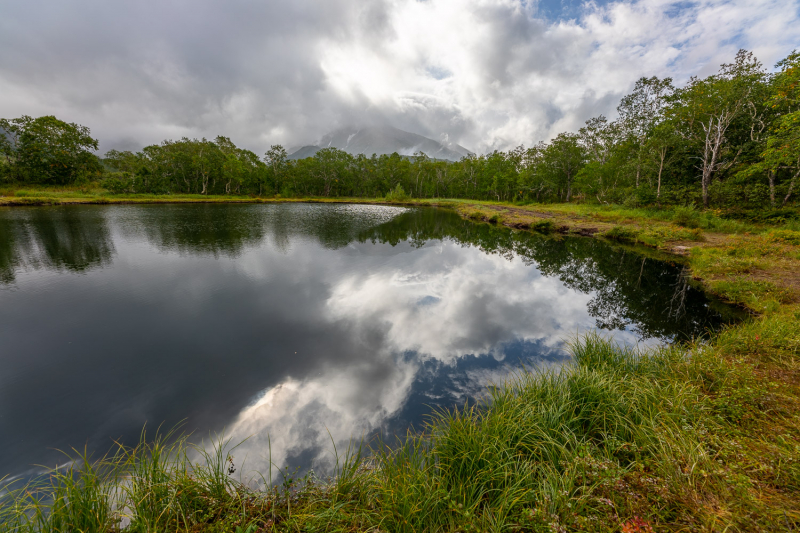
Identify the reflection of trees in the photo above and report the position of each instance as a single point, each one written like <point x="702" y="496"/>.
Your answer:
<point x="651" y="297"/>
<point x="9" y="249"/>
<point x="627" y="290"/>
<point x="229" y="229"/>
<point x="200" y="229"/>
<point x="332" y="227"/>
<point x="75" y="239"/>
<point x="654" y="298"/>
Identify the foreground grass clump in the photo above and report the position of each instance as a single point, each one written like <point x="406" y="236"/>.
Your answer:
<point x="675" y="438"/>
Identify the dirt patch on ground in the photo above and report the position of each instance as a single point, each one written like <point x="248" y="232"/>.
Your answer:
<point x="782" y="277"/>
<point x="521" y="218"/>
<point x="709" y="240"/>
<point x="518" y="211"/>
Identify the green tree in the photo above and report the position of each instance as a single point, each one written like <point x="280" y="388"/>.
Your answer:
<point x="601" y="141"/>
<point x="705" y="110"/>
<point x="330" y="166"/>
<point x="639" y="113"/>
<point x="534" y="180"/>
<point x="659" y="144"/>
<point x="561" y="159"/>
<point x="782" y="149"/>
<point x="599" y="137"/>
<point x="48" y="150"/>
<point x="277" y="161"/>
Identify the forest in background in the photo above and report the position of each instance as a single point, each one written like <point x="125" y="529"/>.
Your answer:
<point x="730" y="140"/>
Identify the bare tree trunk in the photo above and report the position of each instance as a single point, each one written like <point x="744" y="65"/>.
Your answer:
<point x="660" y="168"/>
<point x="791" y="186"/>
<point x="569" y="187"/>
<point x="714" y="137"/>
<point x="204" y="176"/>
<point x="771" y="178"/>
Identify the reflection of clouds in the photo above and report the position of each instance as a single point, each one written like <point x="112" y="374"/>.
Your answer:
<point x="290" y="304"/>
<point x="440" y="302"/>
<point x="399" y="307"/>
<point x="294" y="423"/>
<point x="448" y="301"/>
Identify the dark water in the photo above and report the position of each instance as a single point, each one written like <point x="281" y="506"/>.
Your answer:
<point x="306" y="324"/>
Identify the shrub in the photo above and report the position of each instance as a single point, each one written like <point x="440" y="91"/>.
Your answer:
<point x="785" y="236"/>
<point x="631" y="201"/>
<point x="687" y="216"/>
<point x="680" y="195"/>
<point x="118" y="183"/>
<point x="543" y="226"/>
<point x="397" y="195"/>
<point x="621" y="233"/>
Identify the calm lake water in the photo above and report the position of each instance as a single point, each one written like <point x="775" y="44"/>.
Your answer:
<point x="295" y="325"/>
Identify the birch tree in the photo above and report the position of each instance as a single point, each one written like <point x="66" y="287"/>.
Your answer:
<point x="706" y="108"/>
<point x="641" y="111"/>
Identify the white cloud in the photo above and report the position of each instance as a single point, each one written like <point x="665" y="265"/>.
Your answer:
<point x="483" y="73"/>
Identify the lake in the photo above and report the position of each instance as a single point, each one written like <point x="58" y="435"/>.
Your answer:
<point x="294" y="326"/>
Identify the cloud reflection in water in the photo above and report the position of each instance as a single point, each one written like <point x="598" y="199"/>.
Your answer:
<point x="438" y="304"/>
<point x="293" y="324"/>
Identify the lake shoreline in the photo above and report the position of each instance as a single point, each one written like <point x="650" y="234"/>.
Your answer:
<point x="695" y="244"/>
<point x="696" y="436"/>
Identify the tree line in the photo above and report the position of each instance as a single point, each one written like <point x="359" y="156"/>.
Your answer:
<point x="729" y="139"/>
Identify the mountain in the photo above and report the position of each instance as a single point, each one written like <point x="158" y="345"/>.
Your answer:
<point x="382" y="140"/>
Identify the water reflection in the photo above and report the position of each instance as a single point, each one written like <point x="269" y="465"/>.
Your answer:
<point x="54" y="238"/>
<point x="291" y="324"/>
<point x="218" y="230"/>
<point x="652" y="298"/>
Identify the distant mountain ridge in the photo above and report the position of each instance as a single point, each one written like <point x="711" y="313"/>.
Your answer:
<point x="382" y="140"/>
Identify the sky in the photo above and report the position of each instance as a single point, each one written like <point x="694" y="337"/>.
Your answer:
<point x="486" y="74"/>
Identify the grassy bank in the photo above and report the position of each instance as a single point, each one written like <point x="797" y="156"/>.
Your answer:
<point x="678" y="439"/>
<point x="697" y="437"/>
<point x="752" y="263"/>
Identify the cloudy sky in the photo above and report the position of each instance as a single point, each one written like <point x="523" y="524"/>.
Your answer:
<point x="483" y="73"/>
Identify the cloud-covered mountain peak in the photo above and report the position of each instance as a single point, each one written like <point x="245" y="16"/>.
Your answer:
<point x="382" y="140"/>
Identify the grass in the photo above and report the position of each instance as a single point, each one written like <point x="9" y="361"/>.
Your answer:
<point x="674" y="438"/>
<point x="690" y="437"/>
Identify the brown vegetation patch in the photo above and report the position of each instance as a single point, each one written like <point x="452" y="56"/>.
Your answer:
<point x="518" y="211"/>
<point x="782" y="277"/>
